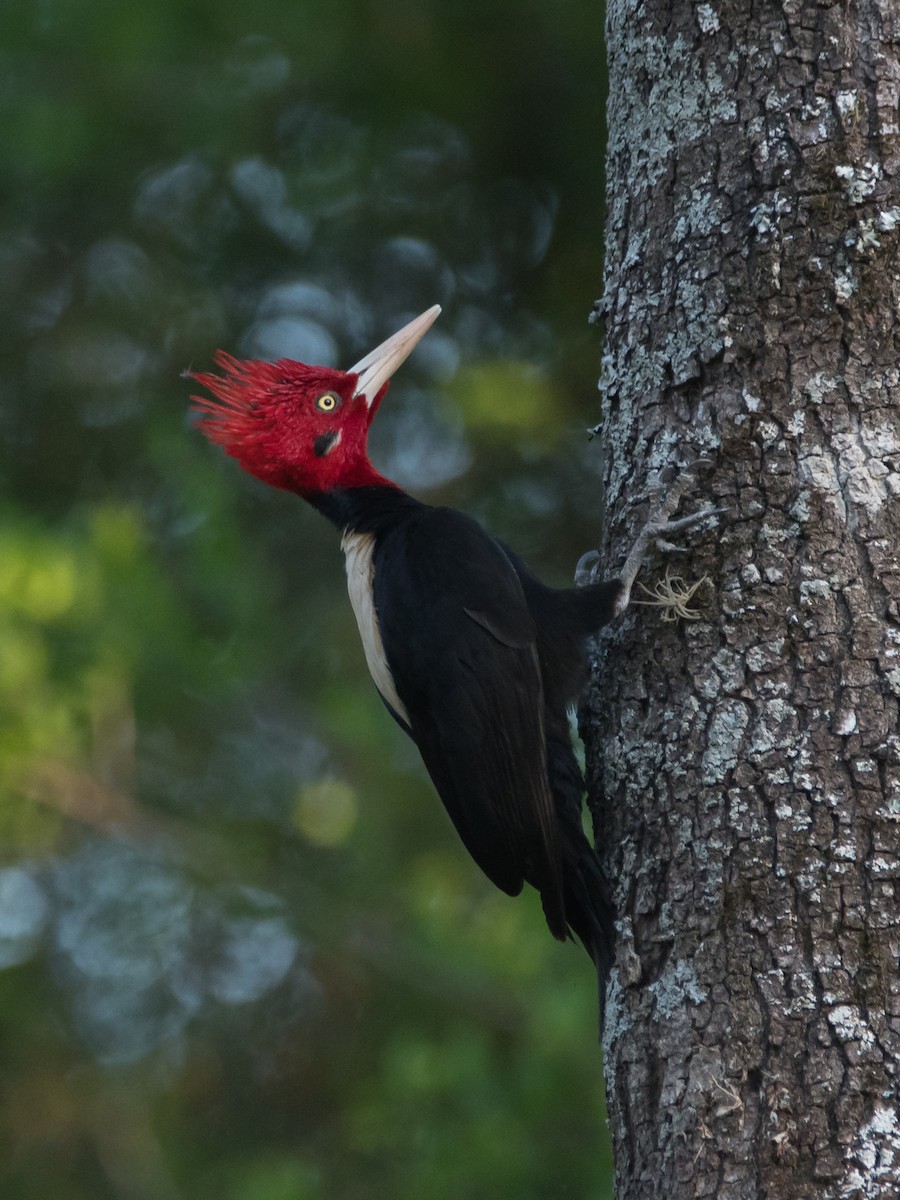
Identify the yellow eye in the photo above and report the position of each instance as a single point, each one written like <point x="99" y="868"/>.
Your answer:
<point x="327" y="402"/>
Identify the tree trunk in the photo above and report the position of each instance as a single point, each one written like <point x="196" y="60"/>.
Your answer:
<point x="744" y="768"/>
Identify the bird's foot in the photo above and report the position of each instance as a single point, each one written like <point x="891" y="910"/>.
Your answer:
<point x="658" y="527"/>
<point x="667" y="497"/>
<point x="587" y="568"/>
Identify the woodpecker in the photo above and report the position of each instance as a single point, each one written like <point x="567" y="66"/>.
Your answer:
<point x="475" y="659"/>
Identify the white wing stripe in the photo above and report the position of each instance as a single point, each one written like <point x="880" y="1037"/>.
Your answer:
<point x="359" y="551"/>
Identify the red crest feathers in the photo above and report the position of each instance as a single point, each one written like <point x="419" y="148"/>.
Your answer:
<point x="232" y="415"/>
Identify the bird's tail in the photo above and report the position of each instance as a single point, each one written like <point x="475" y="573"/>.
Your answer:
<point x="590" y="911"/>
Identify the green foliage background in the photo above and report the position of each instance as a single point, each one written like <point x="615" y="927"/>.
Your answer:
<point x="242" y="955"/>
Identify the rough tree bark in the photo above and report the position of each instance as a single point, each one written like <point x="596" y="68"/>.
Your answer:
<point x="745" y="768"/>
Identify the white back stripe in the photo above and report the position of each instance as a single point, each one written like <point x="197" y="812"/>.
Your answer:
<point x="359" y="551"/>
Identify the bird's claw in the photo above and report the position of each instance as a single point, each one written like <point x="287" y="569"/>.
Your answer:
<point x="657" y="529"/>
<point x="665" y="547"/>
<point x="667" y="496"/>
<point x="587" y="568"/>
<point x="660" y="523"/>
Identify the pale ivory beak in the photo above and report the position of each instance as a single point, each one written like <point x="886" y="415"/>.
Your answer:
<point x="380" y="364"/>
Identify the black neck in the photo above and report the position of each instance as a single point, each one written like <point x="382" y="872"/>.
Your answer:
<point x="369" y="509"/>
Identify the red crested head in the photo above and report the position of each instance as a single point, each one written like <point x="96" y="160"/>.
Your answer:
<point x="302" y="428"/>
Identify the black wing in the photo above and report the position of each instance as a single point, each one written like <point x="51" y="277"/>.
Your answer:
<point x="460" y="643"/>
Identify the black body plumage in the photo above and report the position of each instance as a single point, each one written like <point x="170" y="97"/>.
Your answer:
<point x="484" y="661"/>
<point x="476" y="659"/>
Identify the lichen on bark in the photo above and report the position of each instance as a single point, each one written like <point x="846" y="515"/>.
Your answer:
<point x="745" y="769"/>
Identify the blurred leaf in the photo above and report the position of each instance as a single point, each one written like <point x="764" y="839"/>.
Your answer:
<point x="326" y="811"/>
<point x="503" y="397"/>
